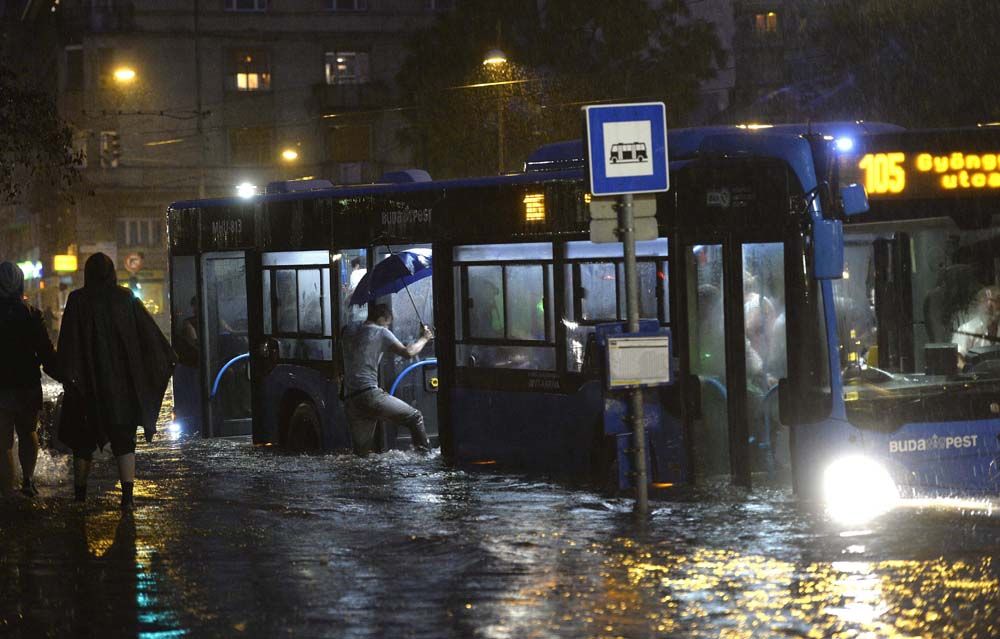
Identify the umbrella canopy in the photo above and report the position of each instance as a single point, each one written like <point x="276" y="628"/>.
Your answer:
<point x="392" y="275"/>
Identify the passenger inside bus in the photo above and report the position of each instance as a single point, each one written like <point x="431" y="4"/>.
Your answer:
<point x="981" y="329"/>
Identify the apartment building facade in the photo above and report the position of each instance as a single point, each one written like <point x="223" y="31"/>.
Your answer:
<point x="176" y="99"/>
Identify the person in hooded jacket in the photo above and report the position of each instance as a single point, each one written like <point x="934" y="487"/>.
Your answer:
<point x="116" y="365"/>
<point x="24" y="345"/>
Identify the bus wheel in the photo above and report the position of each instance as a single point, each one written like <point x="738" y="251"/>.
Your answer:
<point x="303" y="429"/>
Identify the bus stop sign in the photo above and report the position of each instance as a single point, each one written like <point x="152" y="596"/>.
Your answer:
<point x="627" y="148"/>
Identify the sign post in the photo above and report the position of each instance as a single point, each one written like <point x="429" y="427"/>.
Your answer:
<point x="627" y="154"/>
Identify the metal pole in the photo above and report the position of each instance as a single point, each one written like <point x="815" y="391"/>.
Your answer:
<point x="626" y="232"/>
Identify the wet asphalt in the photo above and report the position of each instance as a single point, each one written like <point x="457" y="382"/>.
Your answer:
<point x="229" y="540"/>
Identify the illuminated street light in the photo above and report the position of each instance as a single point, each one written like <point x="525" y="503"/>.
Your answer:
<point x="124" y="75"/>
<point x="494" y="57"/>
<point x="289" y="155"/>
<point x="246" y="190"/>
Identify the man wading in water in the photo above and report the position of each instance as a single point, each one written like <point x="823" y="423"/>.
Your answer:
<point x="363" y="345"/>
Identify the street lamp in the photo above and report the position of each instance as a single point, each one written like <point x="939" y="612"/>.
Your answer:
<point x="496" y="58"/>
<point x="289" y="155"/>
<point x="124" y="75"/>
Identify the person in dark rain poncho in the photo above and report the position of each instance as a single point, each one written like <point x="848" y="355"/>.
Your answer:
<point x="116" y="364"/>
<point x="24" y="344"/>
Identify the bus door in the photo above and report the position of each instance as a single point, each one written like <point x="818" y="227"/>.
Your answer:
<point x="225" y="345"/>
<point x="735" y="328"/>
<point x="294" y="368"/>
<point x="414" y="381"/>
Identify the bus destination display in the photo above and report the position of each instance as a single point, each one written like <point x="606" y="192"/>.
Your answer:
<point x="923" y="174"/>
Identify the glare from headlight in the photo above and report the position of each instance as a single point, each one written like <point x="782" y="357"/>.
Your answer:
<point x="174" y="430"/>
<point x="857" y="489"/>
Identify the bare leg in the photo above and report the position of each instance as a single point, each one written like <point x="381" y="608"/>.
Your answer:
<point x="126" y="467"/>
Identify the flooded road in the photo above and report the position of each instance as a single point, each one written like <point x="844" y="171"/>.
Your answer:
<point x="229" y="540"/>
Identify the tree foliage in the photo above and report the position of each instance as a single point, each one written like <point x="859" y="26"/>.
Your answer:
<point x="35" y="144"/>
<point x="915" y="62"/>
<point x="562" y="54"/>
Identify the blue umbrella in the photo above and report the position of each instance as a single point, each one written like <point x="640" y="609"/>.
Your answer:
<point x="392" y="275"/>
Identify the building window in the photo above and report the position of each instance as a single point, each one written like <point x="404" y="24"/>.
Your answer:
<point x="251" y="71"/>
<point x="106" y="67"/>
<point x="139" y="232"/>
<point x="350" y="143"/>
<point x="111" y="149"/>
<point x="251" y="146"/>
<point x="347" y="5"/>
<point x="439" y="5"/>
<point x="346" y="67"/>
<point x="765" y="24"/>
<point x="74" y="68"/>
<point x="246" y="5"/>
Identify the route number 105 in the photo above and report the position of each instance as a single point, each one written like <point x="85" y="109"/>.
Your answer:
<point x="884" y="172"/>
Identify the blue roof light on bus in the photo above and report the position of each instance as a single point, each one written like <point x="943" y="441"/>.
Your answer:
<point x="844" y="144"/>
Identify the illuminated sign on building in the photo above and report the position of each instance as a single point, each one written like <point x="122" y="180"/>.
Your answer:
<point x="31" y="270"/>
<point x="64" y="263"/>
<point x="923" y="174"/>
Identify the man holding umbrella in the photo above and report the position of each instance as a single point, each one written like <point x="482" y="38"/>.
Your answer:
<point x="363" y="345"/>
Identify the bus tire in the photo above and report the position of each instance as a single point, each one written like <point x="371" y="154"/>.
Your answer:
<point x="303" y="433"/>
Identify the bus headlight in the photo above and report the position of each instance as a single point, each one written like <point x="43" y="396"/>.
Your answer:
<point x="857" y="489"/>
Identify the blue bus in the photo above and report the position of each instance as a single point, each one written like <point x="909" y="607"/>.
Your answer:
<point x="747" y="273"/>
<point x="915" y="311"/>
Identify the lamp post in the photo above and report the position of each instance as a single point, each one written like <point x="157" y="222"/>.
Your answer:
<point x="495" y="58"/>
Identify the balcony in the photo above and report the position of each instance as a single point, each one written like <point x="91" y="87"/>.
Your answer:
<point x="351" y="97"/>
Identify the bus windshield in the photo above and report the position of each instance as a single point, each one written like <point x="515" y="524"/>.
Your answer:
<point x="917" y="312"/>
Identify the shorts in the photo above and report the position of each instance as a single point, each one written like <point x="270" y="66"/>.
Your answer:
<point x="121" y="438"/>
<point x="24" y="421"/>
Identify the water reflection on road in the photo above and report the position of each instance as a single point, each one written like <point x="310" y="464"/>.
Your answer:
<point x="237" y="541"/>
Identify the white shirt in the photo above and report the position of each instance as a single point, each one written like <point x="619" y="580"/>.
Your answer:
<point x="968" y="335"/>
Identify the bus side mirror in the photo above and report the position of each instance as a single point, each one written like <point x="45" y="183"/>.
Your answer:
<point x="828" y="249"/>
<point x="853" y="199"/>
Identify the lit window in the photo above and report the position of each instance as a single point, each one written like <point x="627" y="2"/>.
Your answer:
<point x="346" y="67"/>
<point x="251" y="71"/>
<point x="246" y="5"/>
<point x="347" y="5"/>
<point x="765" y="23"/>
<point x="111" y="149"/>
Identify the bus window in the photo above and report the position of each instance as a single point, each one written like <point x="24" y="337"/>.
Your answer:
<point x="297" y="310"/>
<point x="310" y="301"/>
<point x="598" y="292"/>
<point x="526" y="311"/>
<point x="593" y="294"/>
<point x="287" y="313"/>
<point x="353" y="267"/>
<point x="503" y="310"/>
<point x="486" y="312"/>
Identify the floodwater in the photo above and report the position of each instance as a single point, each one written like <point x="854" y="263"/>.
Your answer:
<point x="231" y="540"/>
